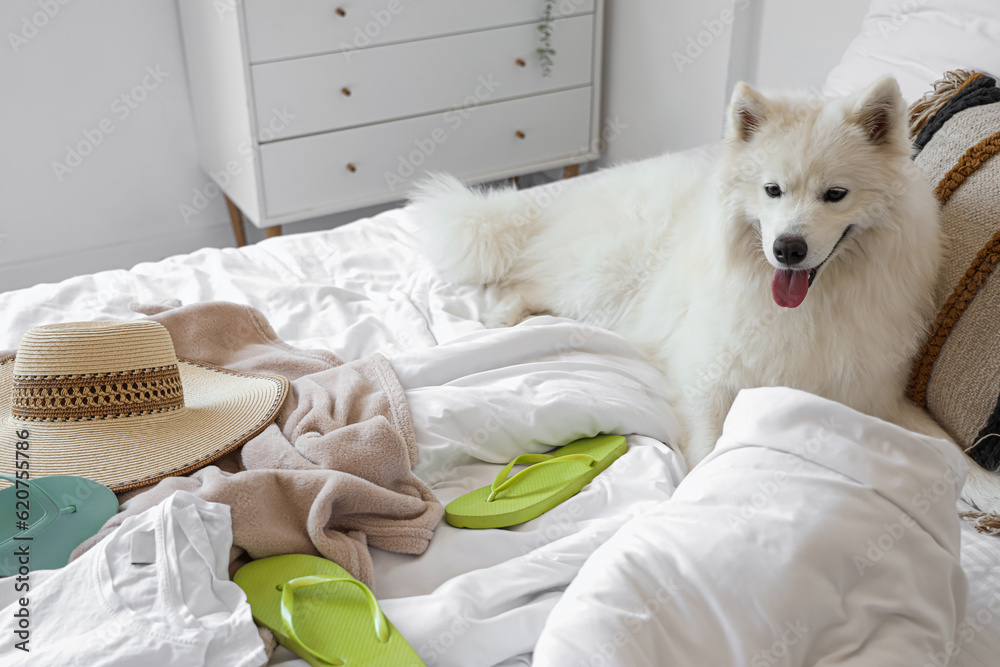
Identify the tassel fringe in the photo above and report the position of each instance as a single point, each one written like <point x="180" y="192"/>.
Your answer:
<point x="923" y="109"/>
<point x="983" y="522"/>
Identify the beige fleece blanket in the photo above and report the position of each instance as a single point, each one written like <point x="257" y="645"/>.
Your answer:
<point x="331" y="477"/>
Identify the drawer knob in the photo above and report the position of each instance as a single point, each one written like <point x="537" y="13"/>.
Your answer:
<point x="520" y="62"/>
<point x="519" y="134"/>
<point x="341" y="12"/>
<point x="351" y="168"/>
<point x="346" y="91"/>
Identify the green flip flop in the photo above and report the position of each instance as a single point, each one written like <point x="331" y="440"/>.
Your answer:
<point x="318" y="610"/>
<point x="550" y="479"/>
<point x="48" y="517"/>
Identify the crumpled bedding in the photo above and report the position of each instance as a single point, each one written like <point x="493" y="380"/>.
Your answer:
<point x="479" y="397"/>
<point x="330" y="477"/>
<point x="812" y="535"/>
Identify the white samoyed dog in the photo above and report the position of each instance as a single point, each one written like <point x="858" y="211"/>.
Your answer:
<point x="806" y="257"/>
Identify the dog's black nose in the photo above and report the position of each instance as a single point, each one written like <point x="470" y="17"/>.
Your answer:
<point x="790" y="250"/>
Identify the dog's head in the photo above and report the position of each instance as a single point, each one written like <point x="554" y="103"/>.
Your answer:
<point x="812" y="176"/>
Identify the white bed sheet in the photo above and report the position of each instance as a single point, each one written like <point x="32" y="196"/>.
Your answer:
<point x="479" y="397"/>
<point x="476" y="597"/>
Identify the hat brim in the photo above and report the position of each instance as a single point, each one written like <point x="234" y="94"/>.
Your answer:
<point x="223" y="409"/>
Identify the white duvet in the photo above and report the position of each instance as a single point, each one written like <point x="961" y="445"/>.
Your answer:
<point x="622" y="573"/>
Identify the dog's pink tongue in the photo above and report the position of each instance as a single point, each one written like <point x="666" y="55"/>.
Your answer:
<point x="789" y="287"/>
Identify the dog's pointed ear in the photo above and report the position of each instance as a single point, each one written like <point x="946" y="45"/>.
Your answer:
<point x="881" y="112"/>
<point x="747" y="112"/>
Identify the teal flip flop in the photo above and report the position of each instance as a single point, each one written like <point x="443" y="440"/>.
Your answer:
<point x="318" y="610"/>
<point x="549" y="480"/>
<point x="48" y="517"/>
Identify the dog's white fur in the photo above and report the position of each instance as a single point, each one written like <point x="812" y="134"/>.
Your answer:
<point x="676" y="255"/>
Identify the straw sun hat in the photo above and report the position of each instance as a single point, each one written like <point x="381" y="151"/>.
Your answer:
<point x="112" y="402"/>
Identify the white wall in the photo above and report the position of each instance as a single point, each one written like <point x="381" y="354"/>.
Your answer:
<point x="667" y="90"/>
<point x="671" y="104"/>
<point x="667" y="75"/>
<point x="800" y="42"/>
<point x="121" y="203"/>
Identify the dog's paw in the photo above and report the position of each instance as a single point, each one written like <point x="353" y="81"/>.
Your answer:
<point x="510" y="310"/>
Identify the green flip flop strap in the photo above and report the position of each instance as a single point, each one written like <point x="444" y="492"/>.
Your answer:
<point x="288" y="607"/>
<point x="501" y="483"/>
<point x="50" y="508"/>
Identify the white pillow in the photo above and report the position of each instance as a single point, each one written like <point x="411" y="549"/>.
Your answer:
<point x="917" y="41"/>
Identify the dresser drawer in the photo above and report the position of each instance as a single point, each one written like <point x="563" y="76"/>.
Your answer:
<point x="330" y="92"/>
<point x="278" y="29"/>
<point x="316" y="172"/>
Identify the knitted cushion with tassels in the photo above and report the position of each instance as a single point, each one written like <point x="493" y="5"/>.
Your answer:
<point x="957" y="375"/>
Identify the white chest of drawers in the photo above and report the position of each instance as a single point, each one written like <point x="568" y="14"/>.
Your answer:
<point x="310" y="107"/>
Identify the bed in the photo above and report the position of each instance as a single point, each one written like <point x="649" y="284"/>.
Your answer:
<point x="479" y="397"/>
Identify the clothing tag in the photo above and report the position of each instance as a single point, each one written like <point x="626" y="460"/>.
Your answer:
<point x="144" y="547"/>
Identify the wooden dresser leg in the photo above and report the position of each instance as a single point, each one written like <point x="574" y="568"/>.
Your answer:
<point x="271" y="232"/>
<point x="571" y="170"/>
<point x="236" y="217"/>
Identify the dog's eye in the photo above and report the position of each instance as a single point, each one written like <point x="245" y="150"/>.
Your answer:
<point x="772" y="190"/>
<point x="834" y="194"/>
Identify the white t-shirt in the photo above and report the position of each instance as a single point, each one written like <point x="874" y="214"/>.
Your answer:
<point x="102" y="610"/>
